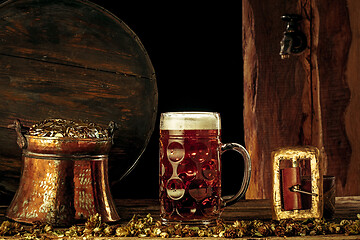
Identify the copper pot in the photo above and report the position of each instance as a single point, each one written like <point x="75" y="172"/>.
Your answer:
<point x="63" y="180"/>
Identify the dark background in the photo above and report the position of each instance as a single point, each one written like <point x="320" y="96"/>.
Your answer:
<point x="196" y="52"/>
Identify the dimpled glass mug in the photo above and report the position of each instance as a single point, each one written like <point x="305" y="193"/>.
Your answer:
<point x="190" y="168"/>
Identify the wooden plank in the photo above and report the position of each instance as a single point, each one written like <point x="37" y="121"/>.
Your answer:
<point x="280" y="108"/>
<point x="348" y="183"/>
<point x="346" y="208"/>
<point x="335" y="37"/>
<point x="244" y="209"/>
<point x="304" y="100"/>
<point x="77" y="33"/>
<point x="26" y="90"/>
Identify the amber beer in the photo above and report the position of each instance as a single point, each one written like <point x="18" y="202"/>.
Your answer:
<point x="190" y="171"/>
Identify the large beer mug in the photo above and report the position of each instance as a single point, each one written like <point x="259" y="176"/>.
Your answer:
<point x="190" y="168"/>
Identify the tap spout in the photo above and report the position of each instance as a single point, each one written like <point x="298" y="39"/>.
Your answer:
<point x="293" y="41"/>
<point x="285" y="46"/>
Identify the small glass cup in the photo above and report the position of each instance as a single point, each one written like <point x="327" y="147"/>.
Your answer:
<point x="329" y="188"/>
<point x="190" y="168"/>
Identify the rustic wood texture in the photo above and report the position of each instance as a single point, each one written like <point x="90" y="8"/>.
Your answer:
<point x="352" y="113"/>
<point x="335" y="37"/>
<point x="72" y="59"/>
<point x="346" y="208"/>
<point x="301" y="100"/>
<point x="278" y="105"/>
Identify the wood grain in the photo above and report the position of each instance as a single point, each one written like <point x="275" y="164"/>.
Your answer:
<point x="351" y="117"/>
<point x="74" y="60"/>
<point x="335" y="37"/>
<point x="72" y="33"/>
<point x="309" y="99"/>
<point x="278" y="105"/>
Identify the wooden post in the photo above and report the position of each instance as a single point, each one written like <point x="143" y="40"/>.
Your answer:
<point x="301" y="100"/>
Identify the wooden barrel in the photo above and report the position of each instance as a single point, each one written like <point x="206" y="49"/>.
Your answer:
<point x="72" y="59"/>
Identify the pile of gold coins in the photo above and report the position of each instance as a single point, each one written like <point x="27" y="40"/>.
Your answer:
<point x="68" y="128"/>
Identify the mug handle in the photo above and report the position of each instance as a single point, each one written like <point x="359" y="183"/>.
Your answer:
<point x="247" y="171"/>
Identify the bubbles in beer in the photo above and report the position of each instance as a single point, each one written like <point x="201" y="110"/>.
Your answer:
<point x="175" y="151"/>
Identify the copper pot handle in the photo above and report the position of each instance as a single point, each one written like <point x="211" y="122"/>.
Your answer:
<point x="21" y="140"/>
<point x="112" y="127"/>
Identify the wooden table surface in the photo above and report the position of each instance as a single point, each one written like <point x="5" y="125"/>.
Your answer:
<point x="346" y="208"/>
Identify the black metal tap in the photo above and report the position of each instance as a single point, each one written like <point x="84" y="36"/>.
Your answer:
<point x="294" y="41"/>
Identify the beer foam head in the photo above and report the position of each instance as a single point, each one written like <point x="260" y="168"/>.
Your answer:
<point x="190" y="121"/>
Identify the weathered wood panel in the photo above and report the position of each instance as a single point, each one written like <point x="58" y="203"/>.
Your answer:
<point x="335" y="37"/>
<point x="346" y="208"/>
<point x="304" y="99"/>
<point x="77" y="33"/>
<point x="351" y="179"/>
<point x="279" y="105"/>
<point x="72" y="59"/>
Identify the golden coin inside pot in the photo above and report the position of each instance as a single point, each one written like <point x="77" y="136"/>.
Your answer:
<point x="68" y="128"/>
